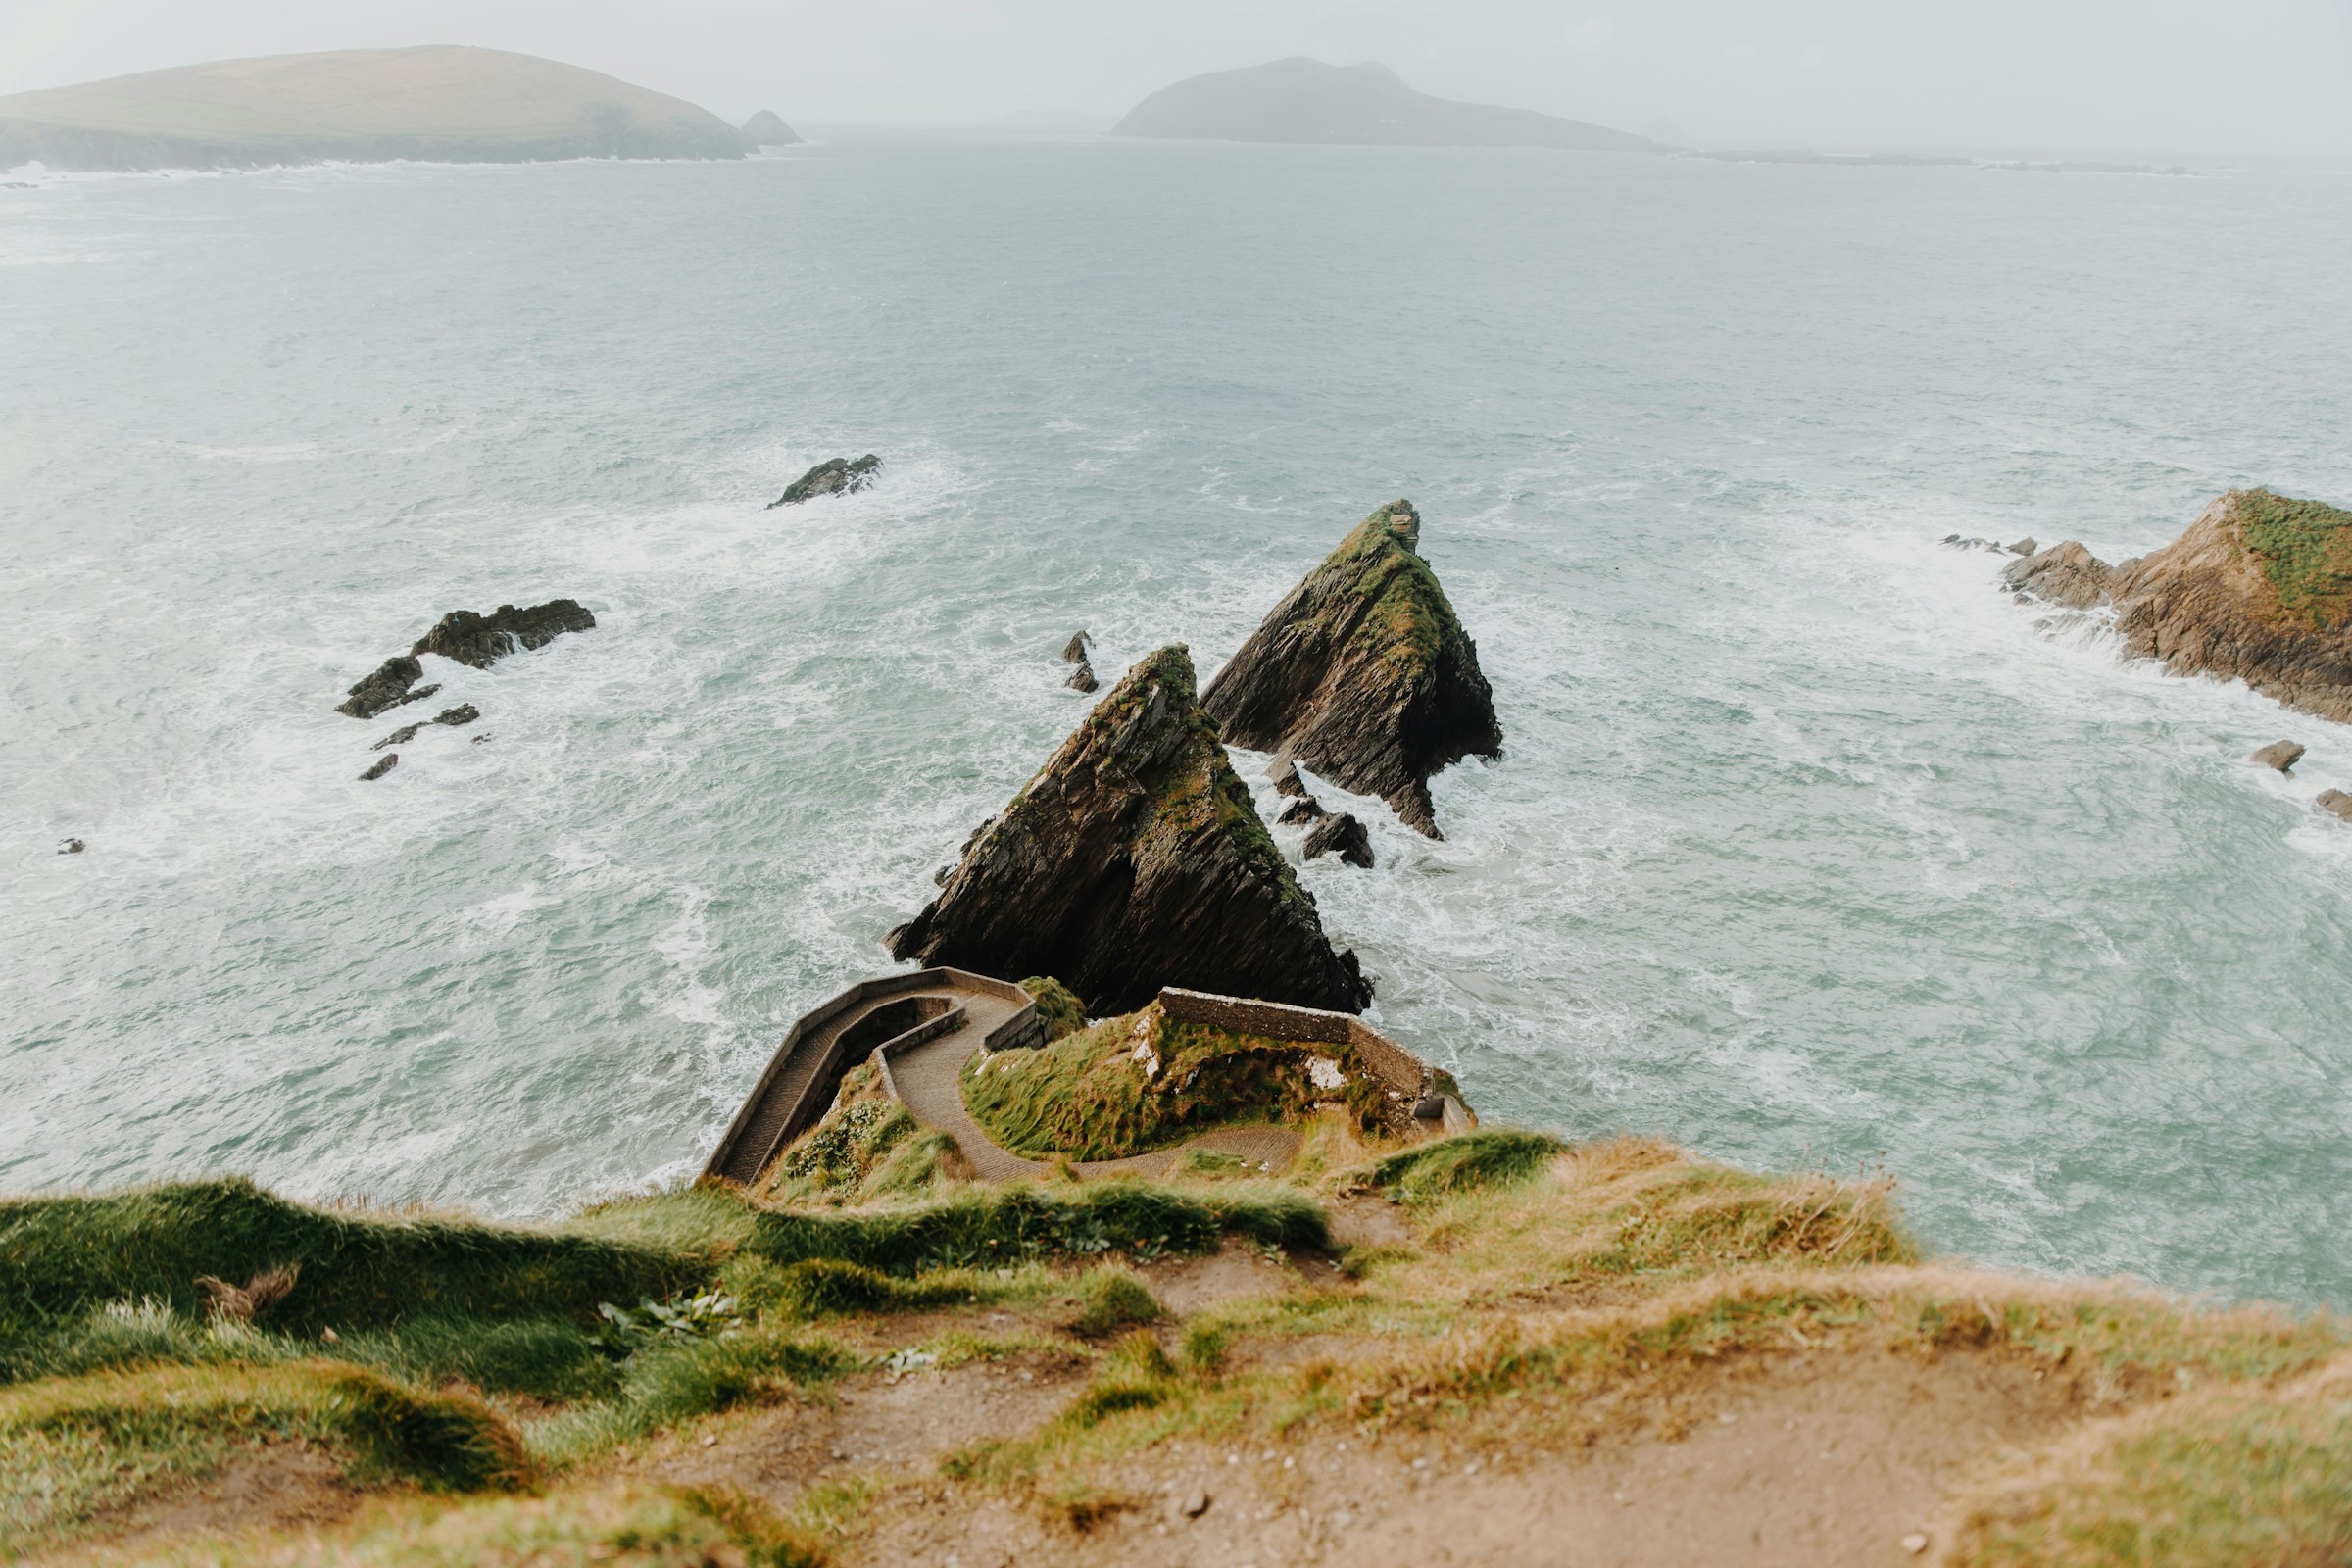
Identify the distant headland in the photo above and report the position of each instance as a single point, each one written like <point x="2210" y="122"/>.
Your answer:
<point x="438" y="102"/>
<point x="1302" y="100"/>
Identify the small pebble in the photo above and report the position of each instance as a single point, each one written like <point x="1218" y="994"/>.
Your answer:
<point x="1915" y="1544"/>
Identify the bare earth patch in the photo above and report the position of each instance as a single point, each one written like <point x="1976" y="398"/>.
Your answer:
<point x="276" y="1487"/>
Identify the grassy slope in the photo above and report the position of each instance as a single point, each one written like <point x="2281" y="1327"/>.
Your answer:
<point x="2305" y="547"/>
<point x="1086" y="1096"/>
<point x="1531" y="1290"/>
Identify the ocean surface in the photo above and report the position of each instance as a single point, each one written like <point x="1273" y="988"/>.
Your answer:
<point x="1809" y="848"/>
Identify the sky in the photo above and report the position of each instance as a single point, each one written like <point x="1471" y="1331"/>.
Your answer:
<point x="2210" y="77"/>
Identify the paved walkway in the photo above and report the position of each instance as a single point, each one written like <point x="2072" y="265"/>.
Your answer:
<point x="930" y="1083"/>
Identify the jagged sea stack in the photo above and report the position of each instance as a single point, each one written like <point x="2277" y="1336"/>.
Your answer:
<point x="1363" y="673"/>
<point x="1133" y="860"/>
<point x="2259" y="588"/>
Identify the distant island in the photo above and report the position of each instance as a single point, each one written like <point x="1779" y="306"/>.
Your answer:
<point x="438" y="102"/>
<point x="1302" y="100"/>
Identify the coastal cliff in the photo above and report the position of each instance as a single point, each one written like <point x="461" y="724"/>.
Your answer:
<point x="1363" y="673"/>
<point x="2258" y="589"/>
<point x="1135" y="859"/>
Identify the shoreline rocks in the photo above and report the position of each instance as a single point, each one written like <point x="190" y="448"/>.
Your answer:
<point x="1342" y="836"/>
<point x="1082" y="679"/>
<point x="386" y="686"/>
<point x="1363" y="673"/>
<point x="2335" y="802"/>
<point x="1134" y="859"/>
<point x="2279" y="755"/>
<point x="387" y="765"/>
<point x="833" y="476"/>
<point x="481" y="641"/>
<point x="2258" y="589"/>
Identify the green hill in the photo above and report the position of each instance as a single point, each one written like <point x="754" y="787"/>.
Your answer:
<point x="439" y="102"/>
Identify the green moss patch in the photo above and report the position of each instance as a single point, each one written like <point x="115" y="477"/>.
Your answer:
<point x="1470" y="1162"/>
<point x="1057" y="1004"/>
<point x="2305" y="547"/>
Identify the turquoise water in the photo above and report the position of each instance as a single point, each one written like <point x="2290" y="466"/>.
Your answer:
<point x="1808" y="847"/>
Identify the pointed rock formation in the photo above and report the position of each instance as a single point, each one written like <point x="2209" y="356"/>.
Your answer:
<point x="1363" y="673"/>
<point x="1342" y="836"/>
<point x="767" y="128"/>
<point x="2259" y="588"/>
<point x="1133" y="860"/>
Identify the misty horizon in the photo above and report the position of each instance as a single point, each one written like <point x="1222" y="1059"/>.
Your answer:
<point x="2267" y="78"/>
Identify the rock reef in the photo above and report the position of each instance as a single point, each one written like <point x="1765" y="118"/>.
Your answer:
<point x="1133" y="860"/>
<point x="833" y="476"/>
<point x="483" y="639"/>
<point x="388" y="685"/>
<point x="1363" y="673"/>
<point x="2259" y="589"/>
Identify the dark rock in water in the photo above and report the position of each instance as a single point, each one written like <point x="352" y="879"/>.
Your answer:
<point x="1133" y="860"/>
<point x="1363" y="673"/>
<point x="1344" y="836"/>
<point x="1082" y="679"/>
<point x="2024" y="547"/>
<point x="1283" y="775"/>
<point x="389" y="761"/>
<point x="2281" y="754"/>
<point x="1307" y="809"/>
<point x="1073" y="652"/>
<point x="462" y="714"/>
<point x="483" y="739"/>
<point x="72" y="847"/>
<point x="1970" y="542"/>
<point x="483" y="639"/>
<point x="2063" y="574"/>
<point x="399" y="737"/>
<point x="833" y="476"/>
<point x="387" y="687"/>
<point x="767" y="128"/>
<point x="2258" y="589"/>
<point x="2336" y="801"/>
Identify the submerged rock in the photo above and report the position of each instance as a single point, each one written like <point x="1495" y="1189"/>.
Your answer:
<point x="2281" y="754"/>
<point x="2335" y="802"/>
<point x="388" y="686"/>
<point x="399" y="737"/>
<point x="2024" y="547"/>
<point x="2259" y="589"/>
<point x="72" y="847"/>
<point x="483" y="639"/>
<point x="462" y="714"/>
<point x="1363" y="673"/>
<point x="1133" y="860"/>
<point x="833" y="476"/>
<point x="389" y="761"/>
<point x="1344" y="836"/>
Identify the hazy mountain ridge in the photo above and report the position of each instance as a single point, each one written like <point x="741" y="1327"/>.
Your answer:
<point x="1303" y="100"/>
<point x="443" y="103"/>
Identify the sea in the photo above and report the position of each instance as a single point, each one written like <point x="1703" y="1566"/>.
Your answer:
<point x="1809" y="848"/>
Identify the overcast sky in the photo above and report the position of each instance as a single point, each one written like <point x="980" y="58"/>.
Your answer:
<point x="2188" y="76"/>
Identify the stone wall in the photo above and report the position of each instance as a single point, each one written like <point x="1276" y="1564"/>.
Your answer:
<point x="1395" y="1066"/>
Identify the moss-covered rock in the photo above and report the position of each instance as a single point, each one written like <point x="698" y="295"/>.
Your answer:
<point x="1364" y="673"/>
<point x="1135" y="859"/>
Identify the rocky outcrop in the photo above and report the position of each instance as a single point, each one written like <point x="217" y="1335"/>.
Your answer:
<point x="389" y="761"/>
<point x="483" y="639"/>
<point x="388" y="686"/>
<point x="2337" y="803"/>
<point x="831" y="477"/>
<point x="2063" y="574"/>
<point x="1133" y="860"/>
<point x="2259" y="589"/>
<point x="1082" y="679"/>
<point x="767" y="128"/>
<point x="1342" y="836"/>
<point x="1305" y="808"/>
<point x="2279" y="755"/>
<point x="1363" y="673"/>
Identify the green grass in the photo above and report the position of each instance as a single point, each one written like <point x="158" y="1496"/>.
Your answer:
<point x="2305" y="547"/>
<point x="72" y="1448"/>
<point x="1057" y="1004"/>
<point x="1469" y="1163"/>
<point x="1112" y="1298"/>
<point x="1087" y="1097"/>
<point x="66" y="1254"/>
<point x="680" y="1380"/>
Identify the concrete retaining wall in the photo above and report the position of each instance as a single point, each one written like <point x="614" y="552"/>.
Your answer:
<point x="1395" y="1066"/>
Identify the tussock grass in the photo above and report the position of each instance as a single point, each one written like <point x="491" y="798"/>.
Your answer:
<point x="1112" y="1298"/>
<point x="683" y="1378"/>
<point x="1469" y="1163"/>
<point x="2305" y="547"/>
<point x="71" y="1449"/>
<point x="68" y="1255"/>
